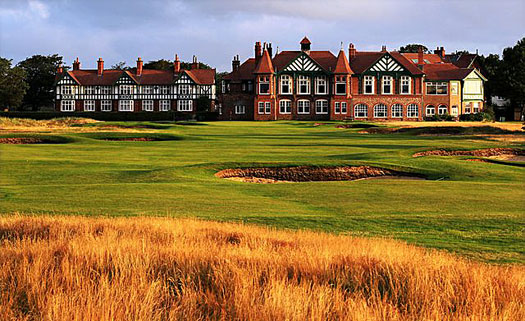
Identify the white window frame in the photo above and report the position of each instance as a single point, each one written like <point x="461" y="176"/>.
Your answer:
<point x="475" y="107"/>
<point x="260" y="109"/>
<point x="89" y="90"/>
<point x="303" y="81"/>
<point x="105" y="90"/>
<point x="223" y="85"/>
<point x="267" y="107"/>
<point x="89" y="105"/>
<point x="126" y="90"/>
<point x="369" y="80"/>
<point x="184" y="89"/>
<point x="396" y="111"/>
<point x="337" y="107"/>
<point x="182" y="105"/>
<point x="148" y="90"/>
<point x="164" y="90"/>
<point x="387" y="80"/>
<point x="318" y="82"/>
<point x="344" y="109"/>
<point x="379" y="110"/>
<point x="264" y="80"/>
<point x="436" y="84"/>
<point x="240" y="109"/>
<point x="454" y="110"/>
<point x="67" y="105"/>
<point x="303" y="107"/>
<point x="286" y="79"/>
<point x="147" y="105"/>
<point x="428" y="108"/>
<point x="412" y="111"/>
<point x="441" y="108"/>
<point x="125" y="105"/>
<point x="104" y="104"/>
<point x="285" y="106"/>
<point x="360" y="111"/>
<point x="338" y="81"/>
<point x="321" y="106"/>
<point x="405" y="81"/>
<point x="67" y="90"/>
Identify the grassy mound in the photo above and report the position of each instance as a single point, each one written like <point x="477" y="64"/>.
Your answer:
<point x="441" y="130"/>
<point x="77" y="268"/>
<point x="123" y="136"/>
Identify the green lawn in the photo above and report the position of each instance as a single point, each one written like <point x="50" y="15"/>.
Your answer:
<point x="472" y="208"/>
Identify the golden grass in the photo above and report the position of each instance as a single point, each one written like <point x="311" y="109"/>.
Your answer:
<point x="64" y="125"/>
<point x="78" y="268"/>
<point x="514" y="126"/>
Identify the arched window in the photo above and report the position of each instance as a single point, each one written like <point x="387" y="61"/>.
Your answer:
<point x="397" y="111"/>
<point x="303" y="106"/>
<point x="321" y="106"/>
<point x="442" y="110"/>
<point x="360" y="111"/>
<point x="285" y="106"/>
<point x="430" y="110"/>
<point x="412" y="111"/>
<point x="380" y="111"/>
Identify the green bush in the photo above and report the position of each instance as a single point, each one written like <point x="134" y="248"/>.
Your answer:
<point x="444" y="117"/>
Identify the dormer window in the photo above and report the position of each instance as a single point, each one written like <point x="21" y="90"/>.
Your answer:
<point x="340" y="85"/>
<point x="387" y="85"/>
<point x="304" y="85"/>
<point x="368" y="85"/>
<point x="286" y="85"/>
<point x="264" y="85"/>
<point x="405" y="85"/>
<point x="321" y="86"/>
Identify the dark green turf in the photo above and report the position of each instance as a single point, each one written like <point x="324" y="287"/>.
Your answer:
<point x="472" y="208"/>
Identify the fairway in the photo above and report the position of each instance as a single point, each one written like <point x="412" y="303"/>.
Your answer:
<point x="475" y="209"/>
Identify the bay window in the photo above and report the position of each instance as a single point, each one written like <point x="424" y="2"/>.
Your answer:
<point x="264" y="85"/>
<point x="340" y="85"/>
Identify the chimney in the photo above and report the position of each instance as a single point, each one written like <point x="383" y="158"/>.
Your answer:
<point x="139" y="66"/>
<point x="176" y="64"/>
<point x="76" y="64"/>
<point x="420" y="60"/>
<point x="383" y="48"/>
<point x="60" y="69"/>
<point x="270" y="50"/>
<point x="100" y="66"/>
<point x="236" y="63"/>
<point x="351" y="52"/>
<point x="258" y="51"/>
<point x="440" y="52"/>
<point x="195" y="63"/>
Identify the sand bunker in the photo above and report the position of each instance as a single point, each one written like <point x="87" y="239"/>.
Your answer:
<point x="132" y="139"/>
<point x="309" y="174"/>
<point x="21" y="140"/>
<point x="489" y="152"/>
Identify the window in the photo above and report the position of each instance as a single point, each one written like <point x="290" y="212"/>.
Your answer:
<point x="475" y="107"/>
<point x="164" y="90"/>
<point x="321" y="106"/>
<point x="90" y="90"/>
<point x="105" y="105"/>
<point x="454" y="88"/>
<point x="147" y="105"/>
<point x="126" y="90"/>
<point x="184" y="89"/>
<point x="430" y="111"/>
<point x="105" y="90"/>
<point x="304" y="85"/>
<point x="125" y="105"/>
<point x="360" y="111"/>
<point x="320" y="86"/>
<point x="250" y="86"/>
<point x="340" y="85"/>
<point x="340" y="108"/>
<point x="442" y="110"/>
<point x="240" y="109"/>
<point x="380" y="111"/>
<point x="66" y="90"/>
<point x="397" y="111"/>
<point x="303" y="107"/>
<point x="437" y="88"/>
<point x="286" y="85"/>
<point x="67" y="105"/>
<point x="243" y="86"/>
<point x="165" y="105"/>
<point x="387" y="85"/>
<point x="223" y="83"/>
<point x="182" y="105"/>
<point x="89" y="105"/>
<point x="368" y="85"/>
<point x="147" y="90"/>
<point x="405" y="85"/>
<point x="264" y="85"/>
<point x="412" y="111"/>
<point x="261" y="108"/>
<point x="285" y="107"/>
<point x="467" y="108"/>
<point x="454" y="110"/>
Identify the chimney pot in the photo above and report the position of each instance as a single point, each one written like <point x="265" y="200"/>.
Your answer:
<point x="139" y="66"/>
<point x="176" y="64"/>
<point x="235" y="63"/>
<point x="383" y="48"/>
<point x="76" y="64"/>
<point x="195" y="64"/>
<point x="351" y="51"/>
<point x="100" y="67"/>
<point x="420" y="60"/>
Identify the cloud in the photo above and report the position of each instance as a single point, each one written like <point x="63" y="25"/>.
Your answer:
<point x="39" y="8"/>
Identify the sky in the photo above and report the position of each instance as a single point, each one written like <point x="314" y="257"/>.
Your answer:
<point x="216" y="30"/>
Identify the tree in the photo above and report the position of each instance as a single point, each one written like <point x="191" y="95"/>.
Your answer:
<point x="12" y="85"/>
<point x="40" y="76"/>
<point x="120" y="66"/>
<point x="491" y="65"/>
<point x="203" y="104"/>
<point x="512" y="75"/>
<point x="163" y="64"/>
<point x="413" y="48"/>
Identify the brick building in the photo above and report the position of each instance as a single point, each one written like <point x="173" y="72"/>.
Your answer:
<point x="317" y="85"/>
<point x="142" y="90"/>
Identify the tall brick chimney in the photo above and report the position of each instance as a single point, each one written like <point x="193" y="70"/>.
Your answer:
<point x="176" y="64"/>
<point x="100" y="66"/>
<point x="60" y="69"/>
<point x="383" y="48"/>
<point x="236" y="63"/>
<point x="195" y="63"/>
<point x="258" y="50"/>
<point x="440" y="51"/>
<point x="351" y="51"/>
<point x="270" y="50"/>
<point x="76" y="64"/>
<point x="139" y="66"/>
<point x="420" y="60"/>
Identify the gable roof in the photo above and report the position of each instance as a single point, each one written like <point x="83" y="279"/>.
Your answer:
<point x="342" y="66"/>
<point x="265" y="65"/>
<point x="445" y="71"/>
<point x="245" y="71"/>
<point x="462" y="60"/>
<point x="364" y="60"/>
<point x="305" y="41"/>
<point x="325" y="59"/>
<point x="427" y="58"/>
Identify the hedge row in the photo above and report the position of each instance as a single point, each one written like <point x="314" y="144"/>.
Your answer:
<point x="120" y="116"/>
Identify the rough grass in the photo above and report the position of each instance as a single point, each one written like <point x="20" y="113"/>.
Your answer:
<point x="78" y="268"/>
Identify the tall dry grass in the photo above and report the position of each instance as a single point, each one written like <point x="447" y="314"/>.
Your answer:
<point x="77" y="268"/>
